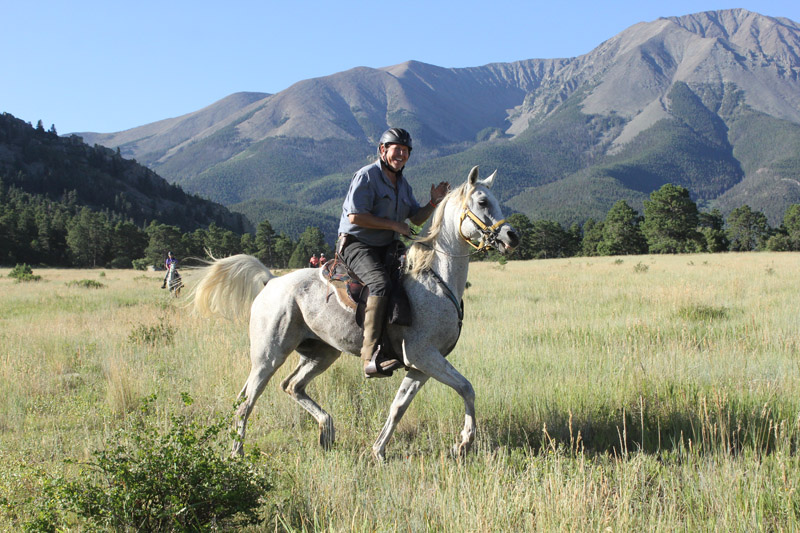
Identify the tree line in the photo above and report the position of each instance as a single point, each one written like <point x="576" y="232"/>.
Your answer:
<point x="40" y="231"/>
<point x="671" y="223"/>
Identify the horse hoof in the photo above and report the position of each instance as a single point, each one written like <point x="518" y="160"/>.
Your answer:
<point x="460" y="451"/>
<point x="379" y="456"/>
<point x="326" y="442"/>
<point x="327" y="434"/>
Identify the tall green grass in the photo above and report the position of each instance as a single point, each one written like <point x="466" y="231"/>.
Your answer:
<point x="607" y="396"/>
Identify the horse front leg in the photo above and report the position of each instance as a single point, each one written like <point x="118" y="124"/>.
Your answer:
<point x="437" y="367"/>
<point x="411" y="384"/>
<point x="464" y="388"/>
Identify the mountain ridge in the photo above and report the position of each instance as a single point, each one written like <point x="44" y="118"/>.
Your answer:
<point x="268" y="145"/>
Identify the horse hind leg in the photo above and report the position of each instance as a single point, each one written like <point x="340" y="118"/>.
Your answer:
<point x="265" y="360"/>
<point x="315" y="358"/>
<point x="253" y="387"/>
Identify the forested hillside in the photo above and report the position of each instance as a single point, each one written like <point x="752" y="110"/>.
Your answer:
<point x="289" y="220"/>
<point x="66" y="169"/>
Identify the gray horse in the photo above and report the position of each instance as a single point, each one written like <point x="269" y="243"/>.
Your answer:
<point x="296" y="312"/>
<point x="174" y="282"/>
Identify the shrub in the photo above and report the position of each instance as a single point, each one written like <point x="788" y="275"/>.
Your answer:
<point x="702" y="313"/>
<point x="23" y="272"/>
<point x="86" y="283"/>
<point x="140" y="264"/>
<point x="170" y="480"/>
<point x="160" y="333"/>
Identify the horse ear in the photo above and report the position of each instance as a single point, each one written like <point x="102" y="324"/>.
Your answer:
<point x="473" y="176"/>
<point x="488" y="181"/>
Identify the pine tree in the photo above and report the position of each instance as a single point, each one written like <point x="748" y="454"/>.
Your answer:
<point x="747" y="229"/>
<point x="621" y="232"/>
<point x="670" y="221"/>
<point x="88" y="238"/>
<point x="311" y="242"/>
<point x="265" y="243"/>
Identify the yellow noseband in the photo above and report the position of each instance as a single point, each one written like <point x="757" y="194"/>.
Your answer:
<point x="489" y="232"/>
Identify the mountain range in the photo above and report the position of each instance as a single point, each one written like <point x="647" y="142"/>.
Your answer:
<point x="709" y="101"/>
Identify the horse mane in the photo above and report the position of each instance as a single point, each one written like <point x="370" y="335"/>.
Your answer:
<point x="420" y="256"/>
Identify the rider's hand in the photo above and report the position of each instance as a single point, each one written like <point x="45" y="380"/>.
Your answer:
<point x="438" y="192"/>
<point x="403" y="229"/>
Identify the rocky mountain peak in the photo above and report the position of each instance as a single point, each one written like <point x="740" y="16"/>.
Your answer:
<point x="255" y="144"/>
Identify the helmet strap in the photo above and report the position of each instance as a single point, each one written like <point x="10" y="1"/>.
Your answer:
<point x="385" y="166"/>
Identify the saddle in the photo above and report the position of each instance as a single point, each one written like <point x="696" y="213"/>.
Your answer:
<point x="352" y="294"/>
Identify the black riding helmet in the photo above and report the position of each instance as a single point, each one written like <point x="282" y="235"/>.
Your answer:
<point x="396" y="136"/>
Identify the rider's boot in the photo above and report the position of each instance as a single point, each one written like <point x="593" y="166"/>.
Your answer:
<point x="374" y="316"/>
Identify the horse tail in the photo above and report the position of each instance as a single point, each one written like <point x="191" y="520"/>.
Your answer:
<point x="228" y="286"/>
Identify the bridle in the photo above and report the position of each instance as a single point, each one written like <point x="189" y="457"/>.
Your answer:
<point x="489" y="233"/>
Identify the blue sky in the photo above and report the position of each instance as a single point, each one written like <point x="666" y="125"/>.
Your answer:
<point x="107" y="66"/>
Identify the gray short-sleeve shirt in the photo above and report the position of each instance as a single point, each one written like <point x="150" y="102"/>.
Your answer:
<point x="372" y="192"/>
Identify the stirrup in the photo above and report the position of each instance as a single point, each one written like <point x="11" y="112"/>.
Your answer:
<point x="382" y="369"/>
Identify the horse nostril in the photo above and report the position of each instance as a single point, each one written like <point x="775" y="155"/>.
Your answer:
<point x="513" y="238"/>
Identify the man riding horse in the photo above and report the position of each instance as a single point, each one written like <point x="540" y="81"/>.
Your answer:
<point x="378" y="203"/>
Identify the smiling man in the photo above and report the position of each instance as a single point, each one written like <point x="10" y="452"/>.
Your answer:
<point x="374" y="215"/>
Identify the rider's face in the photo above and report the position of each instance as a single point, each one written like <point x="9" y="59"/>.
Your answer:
<point x="395" y="156"/>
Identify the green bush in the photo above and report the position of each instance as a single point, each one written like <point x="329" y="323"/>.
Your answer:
<point x="23" y="272"/>
<point x="703" y="313"/>
<point x="86" y="283"/>
<point x="140" y="264"/>
<point x="176" y="479"/>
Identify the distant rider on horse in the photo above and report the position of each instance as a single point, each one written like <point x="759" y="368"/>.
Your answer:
<point x="168" y="265"/>
<point x="373" y="217"/>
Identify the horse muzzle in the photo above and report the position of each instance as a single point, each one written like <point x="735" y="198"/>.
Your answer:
<point x="505" y="240"/>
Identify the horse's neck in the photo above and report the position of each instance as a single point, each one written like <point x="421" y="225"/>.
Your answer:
<point x="451" y="260"/>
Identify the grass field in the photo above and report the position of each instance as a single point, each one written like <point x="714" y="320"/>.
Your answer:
<point x="618" y="394"/>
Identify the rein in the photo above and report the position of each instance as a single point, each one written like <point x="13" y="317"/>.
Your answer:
<point x="459" y="307"/>
<point x="489" y="238"/>
<point x="448" y="254"/>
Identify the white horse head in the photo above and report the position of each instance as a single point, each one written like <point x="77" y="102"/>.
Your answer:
<point x="469" y="220"/>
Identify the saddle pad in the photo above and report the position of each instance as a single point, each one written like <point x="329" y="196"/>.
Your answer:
<point x="348" y="291"/>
